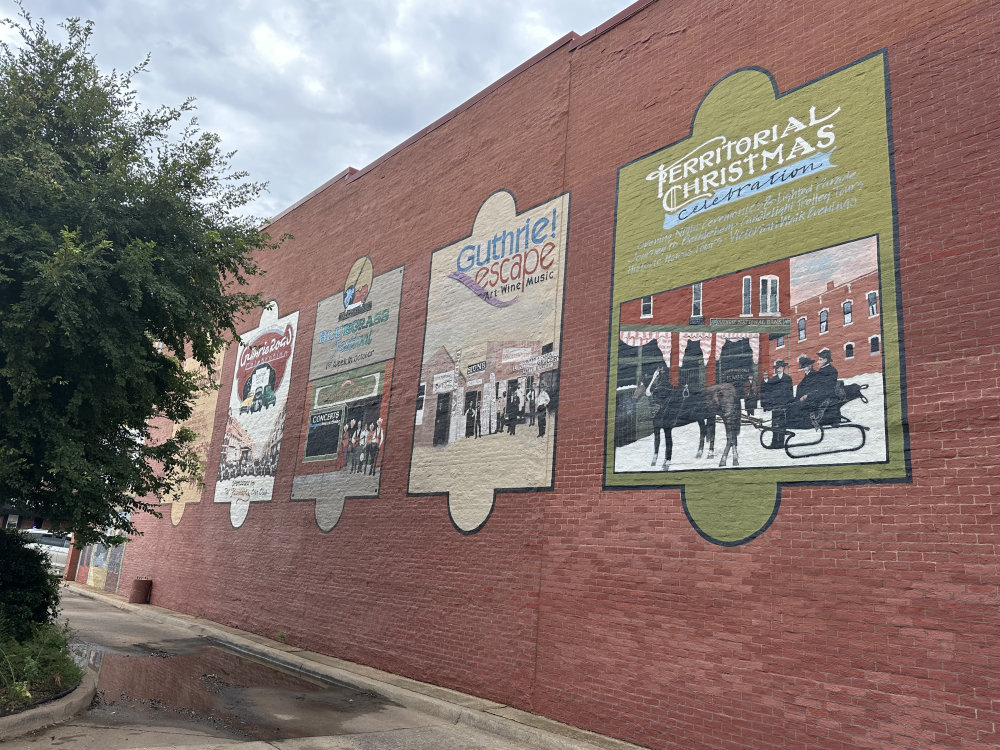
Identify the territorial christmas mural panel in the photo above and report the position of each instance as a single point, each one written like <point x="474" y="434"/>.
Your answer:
<point x="755" y="313"/>
<point x="489" y="383"/>
<point x="353" y="349"/>
<point x="256" y="419"/>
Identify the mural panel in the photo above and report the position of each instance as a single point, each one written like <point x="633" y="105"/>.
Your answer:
<point x="754" y="321"/>
<point x="350" y="375"/>
<point x="256" y="421"/>
<point x="202" y="422"/>
<point x="489" y="382"/>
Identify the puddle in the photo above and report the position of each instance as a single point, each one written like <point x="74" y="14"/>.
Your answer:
<point x="197" y="682"/>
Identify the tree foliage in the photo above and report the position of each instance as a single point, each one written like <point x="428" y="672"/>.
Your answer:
<point x="122" y="251"/>
<point x="29" y="592"/>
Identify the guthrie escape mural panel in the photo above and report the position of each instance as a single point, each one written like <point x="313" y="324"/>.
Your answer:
<point x="754" y="319"/>
<point x="489" y="382"/>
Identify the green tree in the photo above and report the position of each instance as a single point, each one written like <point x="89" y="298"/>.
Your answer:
<point x="29" y="592"/>
<point x="122" y="250"/>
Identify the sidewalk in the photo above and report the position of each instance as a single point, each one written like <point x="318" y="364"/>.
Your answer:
<point x="510" y="724"/>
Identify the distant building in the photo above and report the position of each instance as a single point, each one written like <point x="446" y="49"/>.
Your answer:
<point x="846" y="319"/>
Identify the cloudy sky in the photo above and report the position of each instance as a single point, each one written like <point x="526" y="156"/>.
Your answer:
<point x="302" y="89"/>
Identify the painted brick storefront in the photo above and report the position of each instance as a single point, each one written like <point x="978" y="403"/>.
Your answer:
<point x="540" y="568"/>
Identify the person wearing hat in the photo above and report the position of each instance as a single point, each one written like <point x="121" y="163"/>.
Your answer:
<point x="808" y="387"/>
<point x="807" y="395"/>
<point x="827" y="372"/>
<point x="776" y="393"/>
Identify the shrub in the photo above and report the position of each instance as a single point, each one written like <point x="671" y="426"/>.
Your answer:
<point x="29" y="592"/>
<point x="36" y="669"/>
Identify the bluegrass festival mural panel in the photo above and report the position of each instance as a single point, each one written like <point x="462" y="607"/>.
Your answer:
<point x="350" y="374"/>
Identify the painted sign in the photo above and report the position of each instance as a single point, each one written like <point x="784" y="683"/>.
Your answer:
<point x="755" y="333"/>
<point x="256" y="421"/>
<point x="348" y="400"/>
<point x="489" y="382"/>
<point x="358" y="326"/>
<point x="202" y="422"/>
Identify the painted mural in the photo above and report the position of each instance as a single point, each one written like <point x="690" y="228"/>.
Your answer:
<point x="256" y="420"/>
<point x="754" y="320"/>
<point x="489" y="381"/>
<point x="350" y="374"/>
<point x="202" y="422"/>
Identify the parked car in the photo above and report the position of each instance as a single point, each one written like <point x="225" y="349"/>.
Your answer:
<point x="246" y="405"/>
<point x="53" y="545"/>
<point x="268" y="399"/>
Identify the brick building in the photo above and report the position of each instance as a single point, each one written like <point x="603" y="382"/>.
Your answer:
<point x="845" y="319"/>
<point x="862" y="610"/>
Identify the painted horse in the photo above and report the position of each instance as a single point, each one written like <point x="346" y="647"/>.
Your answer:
<point x="676" y="406"/>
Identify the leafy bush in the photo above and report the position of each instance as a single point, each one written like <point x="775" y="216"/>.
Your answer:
<point x="37" y="668"/>
<point x="29" y="592"/>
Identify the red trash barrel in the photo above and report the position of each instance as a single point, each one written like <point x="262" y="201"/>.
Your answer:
<point x="141" y="589"/>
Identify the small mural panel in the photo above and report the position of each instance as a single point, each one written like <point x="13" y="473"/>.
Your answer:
<point x="202" y="422"/>
<point x="756" y="339"/>
<point x="489" y="383"/>
<point x="350" y="375"/>
<point x="256" y="420"/>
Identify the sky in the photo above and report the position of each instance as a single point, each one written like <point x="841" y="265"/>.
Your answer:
<point x="811" y="272"/>
<point x="303" y="89"/>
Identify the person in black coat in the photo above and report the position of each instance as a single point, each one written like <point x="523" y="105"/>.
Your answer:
<point x="776" y="393"/>
<point x="750" y="395"/>
<point x="810" y="388"/>
<point x="827" y="374"/>
<point x="816" y="393"/>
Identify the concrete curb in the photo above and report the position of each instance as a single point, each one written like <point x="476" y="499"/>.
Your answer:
<point x="527" y="730"/>
<point x="51" y="712"/>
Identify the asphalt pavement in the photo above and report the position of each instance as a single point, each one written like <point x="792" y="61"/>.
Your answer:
<point x="171" y="680"/>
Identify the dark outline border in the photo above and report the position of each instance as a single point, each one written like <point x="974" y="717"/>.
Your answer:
<point x="907" y="477"/>
<point x="423" y="347"/>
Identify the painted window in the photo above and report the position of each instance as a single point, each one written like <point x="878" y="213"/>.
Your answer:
<point x="780" y="342"/>
<point x="647" y="307"/>
<point x="872" y="304"/>
<point x="421" y="392"/>
<point x="769" y="295"/>
<point x="696" y="300"/>
<point x="747" y="295"/>
<point x="824" y="321"/>
<point x="849" y="350"/>
<point x="876" y="344"/>
<point x="802" y="329"/>
<point x="637" y="364"/>
<point x="848" y="312"/>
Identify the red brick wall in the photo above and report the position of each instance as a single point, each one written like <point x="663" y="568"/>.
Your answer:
<point x="866" y="615"/>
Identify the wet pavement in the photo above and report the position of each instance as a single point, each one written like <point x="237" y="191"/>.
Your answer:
<point x="194" y="682"/>
<point x="158" y="685"/>
<point x="172" y="680"/>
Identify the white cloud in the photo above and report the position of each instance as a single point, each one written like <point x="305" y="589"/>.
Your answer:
<point x="274" y="48"/>
<point x="305" y="88"/>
